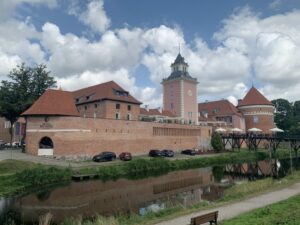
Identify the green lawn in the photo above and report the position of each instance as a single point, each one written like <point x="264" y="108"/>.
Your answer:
<point x="286" y="213"/>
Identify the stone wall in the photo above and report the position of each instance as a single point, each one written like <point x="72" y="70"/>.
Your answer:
<point x="89" y="136"/>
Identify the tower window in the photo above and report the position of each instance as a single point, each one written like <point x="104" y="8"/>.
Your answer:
<point x="129" y="107"/>
<point x="96" y="106"/>
<point x="118" y="106"/>
<point x="117" y="116"/>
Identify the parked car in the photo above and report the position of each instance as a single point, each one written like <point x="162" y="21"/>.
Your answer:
<point x="167" y="153"/>
<point x="155" y="153"/>
<point x="188" y="152"/>
<point x="104" y="156"/>
<point x="125" y="156"/>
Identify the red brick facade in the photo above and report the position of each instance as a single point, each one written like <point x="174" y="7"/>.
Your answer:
<point x="88" y="136"/>
<point x="109" y="109"/>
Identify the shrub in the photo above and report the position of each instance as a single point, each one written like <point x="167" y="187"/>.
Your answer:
<point x="41" y="176"/>
<point x="216" y="142"/>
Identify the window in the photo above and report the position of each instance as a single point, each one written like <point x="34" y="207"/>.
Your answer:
<point x="85" y="107"/>
<point x="129" y="107"/>
<point x="96" y="106"/>
<point x="118" y="106"/>
<point x="216" y="110"/>
<point x="172" y="106"/>
<point x="120" y="93"/>
<point x="190" y="114"/>
<point x="128" y="116"/>
<point x="117" y="116"/>
<point x="77" y="100"/>
<point x="255" y="119"/>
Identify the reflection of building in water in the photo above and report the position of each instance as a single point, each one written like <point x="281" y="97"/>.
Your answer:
<point x="95" y="197"/>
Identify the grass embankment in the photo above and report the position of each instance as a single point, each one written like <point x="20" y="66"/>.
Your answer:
<point x="233" y="194"/>
<point x="18" y="176"/>
<point x="286" y="212"/>
<point x="141" y="168"/>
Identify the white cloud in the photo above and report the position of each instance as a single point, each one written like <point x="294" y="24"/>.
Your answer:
<point x="95" y="16"/>
<point x="8" y="7"/>
<point x="246" y="44"/>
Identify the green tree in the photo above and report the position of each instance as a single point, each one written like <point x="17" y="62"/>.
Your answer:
<point x="296" y="110"/>
<point x="216" y="142"/>
<point x="24" y="86"/>
<point x="284" y="116"/>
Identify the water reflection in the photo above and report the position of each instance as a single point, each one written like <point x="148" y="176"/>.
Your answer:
<point x="94" y="197"/>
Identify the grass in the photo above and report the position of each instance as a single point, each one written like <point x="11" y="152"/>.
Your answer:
<point x="10" y="167"/>
<point x="286" y="212"/>
<point x="18" y="177"/>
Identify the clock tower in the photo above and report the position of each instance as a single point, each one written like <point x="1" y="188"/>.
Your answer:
<point x="180" y="92"/>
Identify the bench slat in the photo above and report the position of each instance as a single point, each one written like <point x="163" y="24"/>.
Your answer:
<point x="209" y="217"/>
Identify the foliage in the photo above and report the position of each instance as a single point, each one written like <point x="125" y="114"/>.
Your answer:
<point x="218" y="172"/>
<point x="216" y="142"/>
<point x="42" y="176"/>
<point x="287" y="115"/>
<point x="24" y="86"/>
<point x="286" y="212"/>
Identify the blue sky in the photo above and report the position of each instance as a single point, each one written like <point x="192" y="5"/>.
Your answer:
<point x="228" y="44"/>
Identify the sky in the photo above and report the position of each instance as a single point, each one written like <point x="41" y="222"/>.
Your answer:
<point x="229" y="45"/>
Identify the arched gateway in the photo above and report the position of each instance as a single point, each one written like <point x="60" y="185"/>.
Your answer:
<point x="45" y="146"/>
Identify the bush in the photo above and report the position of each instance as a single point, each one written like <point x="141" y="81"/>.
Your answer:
<point x="41" y="176"/>
<point x="216" y="142"/>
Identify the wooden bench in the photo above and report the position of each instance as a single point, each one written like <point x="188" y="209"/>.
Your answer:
<point x="211" y="218"/>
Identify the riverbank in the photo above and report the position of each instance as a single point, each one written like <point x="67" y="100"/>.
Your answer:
<point x="237" y="199"/>
<point x="38" y="175"/>
<point x="285" y="212"/>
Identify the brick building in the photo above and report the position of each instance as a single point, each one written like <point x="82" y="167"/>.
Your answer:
<point x="257" y="110"/>
<point x="221" y="113"/>
<point x="55" y="127"/>
<point x="253" y="111"/>
<point x="180" y="92"/>
<point x="107" y="100"/>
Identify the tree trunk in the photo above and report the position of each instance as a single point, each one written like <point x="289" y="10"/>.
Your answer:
<point x="11" y="132"/>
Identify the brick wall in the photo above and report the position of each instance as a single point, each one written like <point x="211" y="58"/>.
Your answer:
<point x="88" y="136"/>
<point x="264" y="117"/>
<point x="107" y="109"/>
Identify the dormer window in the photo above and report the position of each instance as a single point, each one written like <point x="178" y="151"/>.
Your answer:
<point x="120" y="93"/>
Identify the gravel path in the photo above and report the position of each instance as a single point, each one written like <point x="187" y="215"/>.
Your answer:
<point x="233" y="210"/>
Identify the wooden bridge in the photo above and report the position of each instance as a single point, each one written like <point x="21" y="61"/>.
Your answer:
<point x="253" y="141"/>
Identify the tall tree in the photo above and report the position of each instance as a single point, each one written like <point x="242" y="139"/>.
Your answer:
<point x="284" y="114"/>
<point x="24" y="86"/>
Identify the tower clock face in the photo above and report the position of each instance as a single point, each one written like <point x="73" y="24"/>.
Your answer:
<point x="190" y="93"/>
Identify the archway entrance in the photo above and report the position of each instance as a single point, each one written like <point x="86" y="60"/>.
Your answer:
<point x="45" y="146"/>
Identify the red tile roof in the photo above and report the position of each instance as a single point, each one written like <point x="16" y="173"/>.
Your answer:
<point x="254" y="97"/>
<point x="156" y="112"/>
<point x="53" y="102"/>
<point x="217" y="108"/>
<point x="105" y="91"/>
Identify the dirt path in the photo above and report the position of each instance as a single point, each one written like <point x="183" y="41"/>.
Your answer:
<point x="232" y="210"/>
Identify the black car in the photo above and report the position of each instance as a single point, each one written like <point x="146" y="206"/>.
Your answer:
<point x="167" y="153"/>
<point x="104" y="156"/>
<point x="188" y="152"/>
<point x="155" y="153"/>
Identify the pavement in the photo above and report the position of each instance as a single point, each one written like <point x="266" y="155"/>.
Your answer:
<point x="235" y="209"/>
<point x="17" y="154"/>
